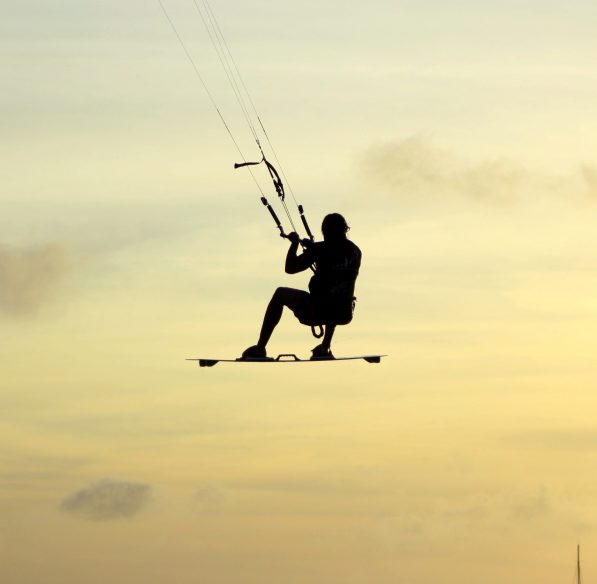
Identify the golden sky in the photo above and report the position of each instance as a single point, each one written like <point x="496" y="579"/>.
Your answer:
<point x="459" y="140"/>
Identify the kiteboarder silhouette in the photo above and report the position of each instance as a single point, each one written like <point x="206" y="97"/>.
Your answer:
<point x="330" y="301"/>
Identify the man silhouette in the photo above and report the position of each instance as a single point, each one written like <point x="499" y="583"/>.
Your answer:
<point x="330" y="301"/>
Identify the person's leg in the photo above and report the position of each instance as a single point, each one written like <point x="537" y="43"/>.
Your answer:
<point x="323" y="351"/>
<point x="290" y="297"/>
<point x="327" y="336"/>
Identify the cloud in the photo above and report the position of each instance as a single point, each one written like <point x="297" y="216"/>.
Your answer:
<point x="108" y="499"/>
<point x="566" y="439"/>
<point x="533" y="506"/>
<point x="29" y="277"/>
<point x="589" y="174"/>
<point x="211" y="496"/>
<point x="414" y="167"/>
<point x="24" y="469"/>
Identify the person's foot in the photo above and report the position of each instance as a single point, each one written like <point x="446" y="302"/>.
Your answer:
<point x="321" y="352"/>
<point x="254" y="352"/>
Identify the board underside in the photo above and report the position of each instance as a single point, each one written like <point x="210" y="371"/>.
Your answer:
<point x="287" y="358"/>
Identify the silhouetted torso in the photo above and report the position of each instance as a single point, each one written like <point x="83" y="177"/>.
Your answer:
<point x="332" y="286"/>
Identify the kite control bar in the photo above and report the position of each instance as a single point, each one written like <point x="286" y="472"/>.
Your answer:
<point x="279" y="186"/>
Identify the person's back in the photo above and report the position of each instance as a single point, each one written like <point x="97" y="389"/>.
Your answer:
<point x="337" y="263"/>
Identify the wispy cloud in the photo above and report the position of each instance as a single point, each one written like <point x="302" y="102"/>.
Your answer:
<point x="108" y="499"/>
<point x="570" y="439"/>
<point x="415" y="167"/>
<point x="211" y="496"/>
<point x="30" y="277"/>
<point x="589" y="173"/>
<point x="416" y="521"/>
<point x="532" y="506"/>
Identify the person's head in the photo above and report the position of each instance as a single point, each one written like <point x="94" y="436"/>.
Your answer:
<point x="334" y="227"/>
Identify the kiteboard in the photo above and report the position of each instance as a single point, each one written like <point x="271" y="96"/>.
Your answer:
<point x="286" y="358"/>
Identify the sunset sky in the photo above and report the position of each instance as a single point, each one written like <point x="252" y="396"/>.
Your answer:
<point x="459" y="140"/>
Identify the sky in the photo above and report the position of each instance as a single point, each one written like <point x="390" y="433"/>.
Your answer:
<point x="459" y="140"/>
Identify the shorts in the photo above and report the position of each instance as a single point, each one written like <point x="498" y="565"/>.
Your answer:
<point x="312" y="311"/>
<point x="302" y="305"/>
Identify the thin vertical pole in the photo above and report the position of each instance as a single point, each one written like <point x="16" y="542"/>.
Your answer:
<point x="578" y="564"/>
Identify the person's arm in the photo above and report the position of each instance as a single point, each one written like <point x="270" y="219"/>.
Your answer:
<point x="296" y="263"/>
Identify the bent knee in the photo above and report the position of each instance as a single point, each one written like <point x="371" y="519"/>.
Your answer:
<point x="290" y="297"/>
<point x="283" y="293"/>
